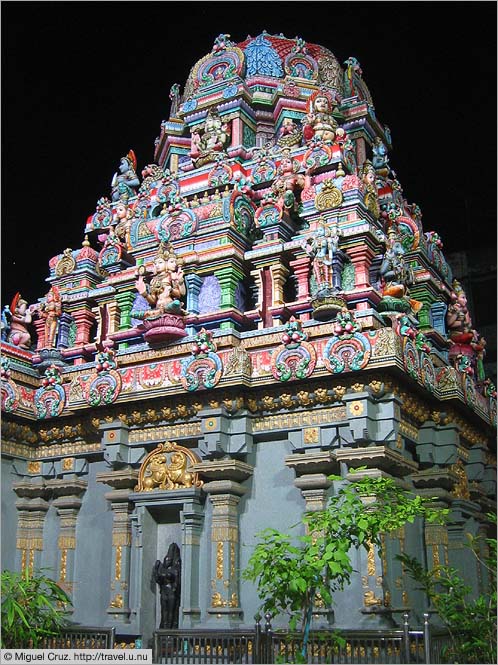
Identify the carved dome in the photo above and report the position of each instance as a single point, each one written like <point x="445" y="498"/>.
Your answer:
<point x="266" y="56"/>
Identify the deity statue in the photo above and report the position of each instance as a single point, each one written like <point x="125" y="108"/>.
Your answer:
<point x="166" y="287"/>
<point x="125" y="181"/>
<point x="168" y="576"/>
<point x="289" y="133"/>
<point x="395" y="276"/>
<point x="124" y="217"/>
<point x="458" y="317"/>
<point x="174" y="95"/>
<point x="289" y="182"/>
<point x="210" y="140"/>
<point x="51" y="311"/>
<point x="6" y="316"/>
<point x="319" y="123"/>
<point x="322" y="248"/>
<point x="20" y="317"/>
<point x="380" y="159"/>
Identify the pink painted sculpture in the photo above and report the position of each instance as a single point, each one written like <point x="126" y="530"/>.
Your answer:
<point x="19" y="334"/>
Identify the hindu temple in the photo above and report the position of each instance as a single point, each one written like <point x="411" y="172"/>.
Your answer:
<point x="255" y="307"/>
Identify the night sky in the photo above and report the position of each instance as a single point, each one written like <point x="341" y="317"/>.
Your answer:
<point x="83" y="82"/>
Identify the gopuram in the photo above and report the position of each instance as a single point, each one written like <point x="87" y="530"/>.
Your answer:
<point x="256" y="309"/>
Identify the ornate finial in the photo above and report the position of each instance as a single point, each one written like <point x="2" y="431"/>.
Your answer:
<point x="86" y="242"/>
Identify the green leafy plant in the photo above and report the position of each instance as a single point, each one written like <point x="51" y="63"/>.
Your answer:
<point x="471" y="622"/>
<point x="33" y="607"/>
<point x="291" y="573"/>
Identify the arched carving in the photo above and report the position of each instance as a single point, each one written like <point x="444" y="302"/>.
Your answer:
<point x="167" y="468"/>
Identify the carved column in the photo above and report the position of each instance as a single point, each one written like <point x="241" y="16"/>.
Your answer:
<point x="279" y="274"/>
<point x="64" y="330"/>
<point x="194" y="283"/>
<point x="225" y="602"/>
<point x="312" y="470"/>
<point x="68" y="503"/>
<point x="122" y="483"/>
<point x="84" y="319"/>
<point x="224" y="494"/>
<point x="32" y="508"/>
<point x="229" y="278"/>
<point x="361" y="256"/>
<point x="191" y="518"/>
<point x="301" y="268"/>
<point x="125" y="301"/>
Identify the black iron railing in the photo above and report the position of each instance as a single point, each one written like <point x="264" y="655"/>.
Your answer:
<point x="263" y="645"/>
<point x="79" y="637"/>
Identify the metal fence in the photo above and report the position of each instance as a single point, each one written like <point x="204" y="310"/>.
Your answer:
<point x="262" y="645"/>
<point x="79" y="637"/>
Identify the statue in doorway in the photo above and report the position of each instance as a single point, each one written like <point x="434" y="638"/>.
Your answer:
<point x="168" y="576"/>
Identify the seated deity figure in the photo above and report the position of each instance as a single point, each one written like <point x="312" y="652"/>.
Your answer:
<point x="210" y="139"/>
<point x="20" y="316"/>
<point x="289" y="182"/>
<point x="319" y="122"/>
<point x="458" y="317"/>
<point x="166" y="287"/>
<point x="125" y="181"/>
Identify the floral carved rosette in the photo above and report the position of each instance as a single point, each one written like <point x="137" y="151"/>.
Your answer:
<point x="50" y="399"/>
<point x="348" y="350"/>
<point x="105" y="387"/>
<point x="295" y="358"/>
<point x="204" y="368"/>
<point x="10" y="393"/>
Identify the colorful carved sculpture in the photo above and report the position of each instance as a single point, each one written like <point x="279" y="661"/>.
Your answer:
<point x="51" y="311"/>
<point x="319" y="122"/>
<point x="210" y="140"/>
<point x="288" y="183"/>
<point x="166" y="287"/>
<point x="125" y="181"/>
<point x="19" y="334"/>
<point x="322" y="247"/>
<point x="395" y="276"/>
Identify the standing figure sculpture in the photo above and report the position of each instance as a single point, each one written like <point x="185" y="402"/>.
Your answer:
<point x="125" y="182"/>
<point x="51" y="311"/>
<point x="322" y="248"/>
<point x="20" y="316"/>
<point x="168" y="576"/>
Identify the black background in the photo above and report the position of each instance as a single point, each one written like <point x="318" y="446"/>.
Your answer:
<point x="83" y="82"/>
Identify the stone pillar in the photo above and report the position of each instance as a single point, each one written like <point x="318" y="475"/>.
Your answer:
<point x="229" y="278"/>
<point x="194" y="283"/>
<point x="361" y="256"/>
<point x="225" y="600"/>
<point x="32" y="508"/>
<point x="125" y="301"/>
<point x="279" y="274"/>
<point x="361" y="152"/>
<point x="338" y="262"/>
<point x="224" y="492"/>
<point x="312" y="470"/>
<point x="123" y="482"/>
<point x="301" y="268"/>
<point x="68" y="503"/>
<point x="64" y="330"/>
<point x="84" y="319"/>
<point x="191" y="518"/>
<point x="438" y="317"/>
<point x="39" y="324"/>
